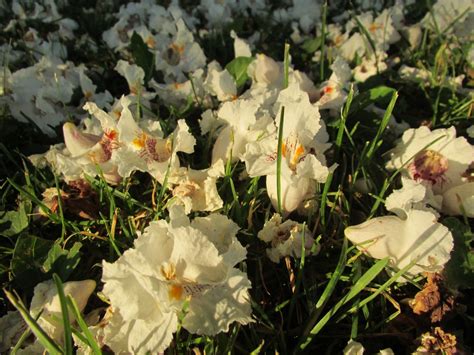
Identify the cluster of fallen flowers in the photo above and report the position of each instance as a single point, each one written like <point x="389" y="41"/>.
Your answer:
<point x="184" y="272"/>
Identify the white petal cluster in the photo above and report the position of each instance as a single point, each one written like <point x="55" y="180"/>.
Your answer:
<point x="46" y="308"/>
<point x="417" y="239"/>
<point x="115" y="145"/>
<point x="176" y="266"/>
<point x="303" y="145"/>
<point x="287" y="238"/>
<point x="439" y="161"/>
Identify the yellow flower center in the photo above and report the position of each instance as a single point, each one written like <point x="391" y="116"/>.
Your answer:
<point x="140" y="141"/>
<point x="374" y="27"/>
<point x="293" y="151"/>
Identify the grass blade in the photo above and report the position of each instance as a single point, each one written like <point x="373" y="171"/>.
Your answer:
<point x="40" y="334"/>
<point x="65" y="313"/>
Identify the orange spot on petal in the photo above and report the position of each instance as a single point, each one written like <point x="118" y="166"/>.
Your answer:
<point x="175" y="292"/>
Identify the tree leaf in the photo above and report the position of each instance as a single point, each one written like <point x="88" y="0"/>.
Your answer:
<point x="238" y="69"/>
<point x="142" y="56"/>
<point x="14" y="222"/>
<point x="311" y="45"/>
<point x="62" y="262"/>
<point x="27" y="262"/>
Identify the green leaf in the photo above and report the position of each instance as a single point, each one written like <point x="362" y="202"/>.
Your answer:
<point x="27" y="262"/>
<point x="238" y="69"/>
<point x="459" y="270"/>
<point x="380" y="95"/>
<point x="142" y="56"/>
<point x="311" y="45"/>
<point x="63" y="262"/>
<point x="13" y="222"/>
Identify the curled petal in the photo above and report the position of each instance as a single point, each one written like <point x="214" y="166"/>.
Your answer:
<point x="419" y="239"/>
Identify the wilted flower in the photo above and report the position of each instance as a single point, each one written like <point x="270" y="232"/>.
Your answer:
<point x="196" y="189"/>
<point x="286" y="238"/>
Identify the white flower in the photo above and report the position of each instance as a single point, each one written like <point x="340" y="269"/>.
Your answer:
<point x="450" y="16"/>
<point x="241" y="47"/>
<point x="83" y="152"/>
<point x="286" y="238"/>
<point x="470" y="129"/>
<point x="440" y="161"/>
<point x="303" y="145"/>
<point x="12" y="327"/>
<point x="427" y="78"/>
<point x="196" y="189"/>
<point x="242" y="128"/>
<point x="144" y="148"/>
<point x="179" y="54"/>
<point x="217" y="12"/>
<point x="134" y="75"/>
<point x="370" y="66"/>
<point x="413" y="35"/>
<point x="179" y="93"/>
<point x="46" y="301"/>
<point x="333" y="91"/>
<point x="417" y="238"/>
<point x="220" y="83"/>
<point x="46" y="307"/>
<point x="306" y="12"/>
<point x="264" y="70"/>
<point x="353" y="348"/>
<point x="352" y="46"/>
<point x="412" y="195"/>
<point x="381" y="29"/>
<point x="172" y="264"/>
<point x="89" y="90"/>
<point x="41" y="92"/>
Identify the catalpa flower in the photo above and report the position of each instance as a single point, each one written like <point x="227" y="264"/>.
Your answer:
<point x="303" y="145"/>
<point x="441" y="162"/>
<point x="414" y="237"/>
<point x="220" y="83"/>
<point x="135" y="77"/>
<point x="286" y="239"/>
<point x="173" y="264"/>
<point x="83" y="152"/>
<point x="180" y="93"/>
<point x="196" y="189"/>
<point x="179" y="54"/>
<point x="242" y="127"/>
<point x="46" y="307"/>
<point x="333" y="91"/>
<point x="144" y="148"/>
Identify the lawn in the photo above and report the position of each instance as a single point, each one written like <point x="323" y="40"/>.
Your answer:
<point x="237" y="176"/>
